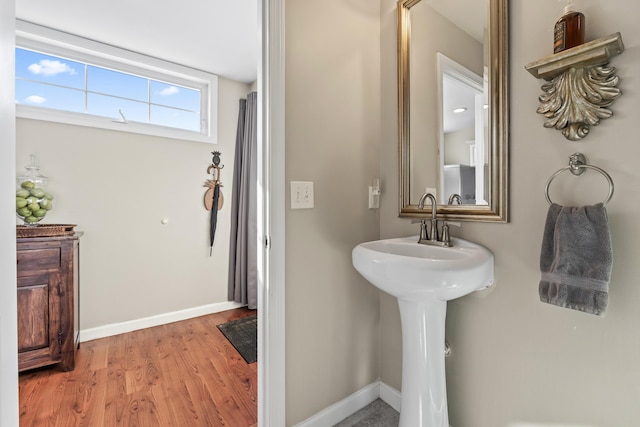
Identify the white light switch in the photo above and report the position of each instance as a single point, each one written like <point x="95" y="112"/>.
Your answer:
<point x="301" y="195"/>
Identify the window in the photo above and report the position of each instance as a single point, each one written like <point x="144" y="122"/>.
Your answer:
<point x="64" y="78"/>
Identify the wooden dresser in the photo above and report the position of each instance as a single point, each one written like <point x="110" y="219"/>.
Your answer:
<point x="48" y="286"/>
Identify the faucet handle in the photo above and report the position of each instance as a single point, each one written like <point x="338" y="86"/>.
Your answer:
<point x="446" y="239"/>
<point x="424" y="235"/>
<point x="446" y="235"/>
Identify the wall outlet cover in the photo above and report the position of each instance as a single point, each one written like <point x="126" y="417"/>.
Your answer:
<point x="432" y="191"/>
<point x="301" y="195"/>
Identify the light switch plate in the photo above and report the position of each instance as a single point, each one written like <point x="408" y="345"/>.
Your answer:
<point x="301" y="195"/>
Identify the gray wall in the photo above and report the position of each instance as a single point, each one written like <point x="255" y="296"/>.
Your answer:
<point x="332" y="138"/>
<point x="516" y="361"/>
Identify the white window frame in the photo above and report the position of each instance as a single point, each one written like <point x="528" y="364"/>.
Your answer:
<point x="56" y="43"/>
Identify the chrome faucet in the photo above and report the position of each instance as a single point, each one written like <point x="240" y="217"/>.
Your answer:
<point x="454" y="198"/>
<point x="431" y="236"/>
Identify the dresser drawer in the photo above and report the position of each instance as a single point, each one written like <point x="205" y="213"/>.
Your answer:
<point x="35" y="260"/>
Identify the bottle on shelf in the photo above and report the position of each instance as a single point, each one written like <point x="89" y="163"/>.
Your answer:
<point x="569" y="29"/>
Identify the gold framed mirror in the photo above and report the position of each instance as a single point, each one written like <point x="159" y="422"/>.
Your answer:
<point x="448" y="61"/>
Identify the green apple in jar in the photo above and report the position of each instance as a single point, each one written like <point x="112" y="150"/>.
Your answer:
<point x="24" y="212"/>
<point x="27" y="185"/>
<point x="23" y="193"/>
<point x="33" y="207"/>
<point x="31" y="219"/>
<point x="37" y="192"/>
<point x="46" y="204"/>
<point x="21" y="202"/>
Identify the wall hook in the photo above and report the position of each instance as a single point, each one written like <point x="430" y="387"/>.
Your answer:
<point x="213" y="198"/>
<point x="214" y="169"/>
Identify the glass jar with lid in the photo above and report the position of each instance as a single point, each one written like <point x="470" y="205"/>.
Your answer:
<point x="33" y="200"/>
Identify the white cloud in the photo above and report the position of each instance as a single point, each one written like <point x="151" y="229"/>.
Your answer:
<point x="47" y="67"/>
<point x="171" y="90"/>
<point x="35" y="99"/>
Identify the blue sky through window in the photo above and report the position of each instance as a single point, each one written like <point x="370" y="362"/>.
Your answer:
<point x="53" y="82"/>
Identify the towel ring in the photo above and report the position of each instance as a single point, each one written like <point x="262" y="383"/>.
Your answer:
<point x="577" y="166"/>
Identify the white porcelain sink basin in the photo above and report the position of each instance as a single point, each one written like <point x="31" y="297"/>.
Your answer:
<point x="423" y="278"/>
<point x="405" y="269"/>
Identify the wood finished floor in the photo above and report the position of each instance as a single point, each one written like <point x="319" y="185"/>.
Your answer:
<point x="183" y="374"/>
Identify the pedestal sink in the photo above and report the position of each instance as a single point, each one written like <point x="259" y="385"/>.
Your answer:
<point x="423" y="278"/>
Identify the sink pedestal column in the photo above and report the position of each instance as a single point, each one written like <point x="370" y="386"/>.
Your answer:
<point x="424" y="388"/>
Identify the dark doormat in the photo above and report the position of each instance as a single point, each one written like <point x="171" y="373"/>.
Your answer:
<point x="243" y="335"/>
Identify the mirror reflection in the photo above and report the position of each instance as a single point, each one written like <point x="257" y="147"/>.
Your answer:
<point x="452" y="124"/>
<point x="463" y="132"/>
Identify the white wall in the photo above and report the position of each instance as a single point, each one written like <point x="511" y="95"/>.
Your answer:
<point x="117" y="187"/>
<point x="332" y="138"/>
<point x="456" y="145"/>
<point x="516" y="361"/>
<point x="8" y="316"/>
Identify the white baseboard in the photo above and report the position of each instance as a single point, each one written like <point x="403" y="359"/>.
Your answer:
<point x="160" y="319"/>
<point x="353" y="403"/>
<point x="390" y="396"/>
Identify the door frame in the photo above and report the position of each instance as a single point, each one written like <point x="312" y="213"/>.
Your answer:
<point x="271" y="213"/>
<point x="9" y="416"/>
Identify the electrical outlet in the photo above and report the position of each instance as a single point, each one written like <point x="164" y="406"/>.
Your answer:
<point x="432" y="191"/>
<point x="374" y="194"/>
<point x="301" y="195"/>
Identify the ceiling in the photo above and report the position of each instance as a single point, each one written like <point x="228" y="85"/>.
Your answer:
<point x="217" y="36"/>
<point x="456" y="94"/>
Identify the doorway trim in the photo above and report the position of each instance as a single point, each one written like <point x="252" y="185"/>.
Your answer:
<point x="271" y="212"/>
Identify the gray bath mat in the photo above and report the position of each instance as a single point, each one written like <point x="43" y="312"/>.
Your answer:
<point x="243" y="335"/>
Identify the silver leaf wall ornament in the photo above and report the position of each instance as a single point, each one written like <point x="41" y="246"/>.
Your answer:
<point x="578" y="99"/>
<point x="580" y="86"/>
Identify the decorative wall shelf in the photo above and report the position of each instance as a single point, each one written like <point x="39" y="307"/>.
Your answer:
<point x="580" y="86"/>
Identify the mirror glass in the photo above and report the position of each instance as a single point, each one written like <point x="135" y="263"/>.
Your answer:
<point x="452" y="93"/>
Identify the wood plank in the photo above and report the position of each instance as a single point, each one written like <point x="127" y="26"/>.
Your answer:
<point x="181" y="374"/>
<point x="87" y="392"/>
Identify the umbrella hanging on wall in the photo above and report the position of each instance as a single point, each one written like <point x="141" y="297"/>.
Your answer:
<point x="213" y="198"/>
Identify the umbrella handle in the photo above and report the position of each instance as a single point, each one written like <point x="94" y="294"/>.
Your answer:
<point x="216" y="173"/>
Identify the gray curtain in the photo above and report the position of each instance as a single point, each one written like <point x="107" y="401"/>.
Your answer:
<point x="243" y="251"/>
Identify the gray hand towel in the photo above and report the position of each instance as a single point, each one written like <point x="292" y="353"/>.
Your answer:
<point x="576" y="258"/>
